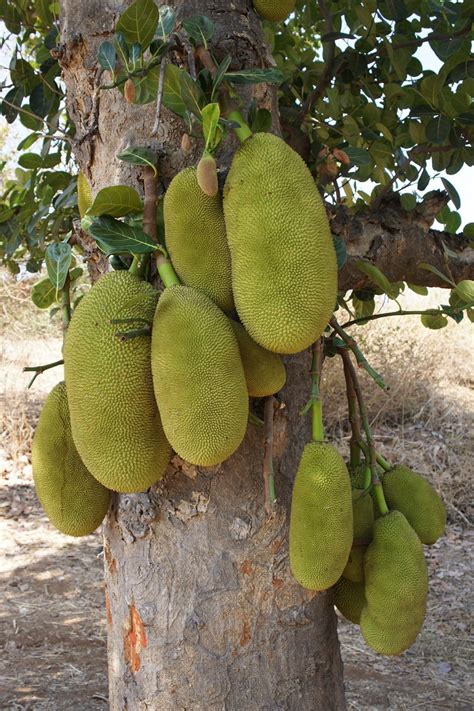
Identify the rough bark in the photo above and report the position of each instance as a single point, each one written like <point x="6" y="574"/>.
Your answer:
<point x="201" y="608"/>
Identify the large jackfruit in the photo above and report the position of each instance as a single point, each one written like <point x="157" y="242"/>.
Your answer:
<point x="349" y="598"/>
<point x="284" y="270"/>
<point x="264" y="371"/>
<point x="196" y="240"/>
<point x="396" y="586"/>
<point x="72" y="499"/>
<point x="115" y="421"/>
<point x="274" y="10"/>
<point x="354" y="570"/>
<point x="363" y="512"/>
<point x="321" y="517"/>
<point x="198" y="377"/>
<point x="411" y="494"/>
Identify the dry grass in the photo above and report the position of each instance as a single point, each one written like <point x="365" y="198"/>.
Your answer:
<point x="51" y="604"/>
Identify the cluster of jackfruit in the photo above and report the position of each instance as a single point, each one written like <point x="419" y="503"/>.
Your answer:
<point x="256" y="278"/>
<point x="384" y="586"/>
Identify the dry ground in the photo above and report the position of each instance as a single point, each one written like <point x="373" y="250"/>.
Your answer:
<point x="52" y="631"/>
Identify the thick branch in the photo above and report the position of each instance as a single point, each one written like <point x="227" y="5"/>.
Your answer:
<point x="397" y="242"/>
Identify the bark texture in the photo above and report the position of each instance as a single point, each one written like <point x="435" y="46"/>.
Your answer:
<point x="202" y="611"/>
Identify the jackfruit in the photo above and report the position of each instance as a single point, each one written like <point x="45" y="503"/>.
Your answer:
<point x="411" y="494"/>
<point x="207" y="176"/>
<point x="115" y="422"/>
<point x="363" y="513"/>
<point x="284" y="270"/>
<point x="264" y="371"/>
<point x="396" y="585"/>
<point x="354" y="570"/>
<point x="349" y="598"/>
<point x="196" y="240"/>
<point x="321" y="517"/>
<point x="198" y="377"/>
<point x="72" y="499"/>
<point x="274" y="10"/>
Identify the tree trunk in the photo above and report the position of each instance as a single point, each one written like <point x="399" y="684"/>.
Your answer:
<point x="202" y="611"/>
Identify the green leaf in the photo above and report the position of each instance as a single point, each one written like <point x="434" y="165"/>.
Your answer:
<point x="420" y="290"/>
<point x="255" y="76"/>
<point x="466" y="118"/>
<point x="200" y="29"/>
<point x="220" y="73"/>
<point x="166" y="22"/>
<point x="116" y="201"/>
<point x="75" y="273"/>
<point x="465" y="290"/>
<point x="358" y="156"/>
<point x="434" y="270"/>
<point x="84" y="194"/>
<point x="28" y="141"/>
<point x="363" y="308"/>
<point x="341" y="250"/>
<point x="262" y="122"/>
<point x="424" y="180"/>
<point x="468" y="230"/>
<point x="191" y="94"/>
<point x="114" y="237"/>
<point x="58" y="260"/>
<point x="107" y="56"/>
<point x="172" y="97"/>
<point x="408" y="201"/>
<point x="139" y="155"/>
<point x="210" y="124"/>
<point x="30" y="161"/>
<point x="139" y="22"/>
<point x="434" y="319"/>
<point x="43" y="294"/>
<point x="437" y="130"/>
<point x="453" y="222"/>
<point x="378" y="278"/>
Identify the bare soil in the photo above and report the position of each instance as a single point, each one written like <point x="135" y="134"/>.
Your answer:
<point x="52" y="618"/>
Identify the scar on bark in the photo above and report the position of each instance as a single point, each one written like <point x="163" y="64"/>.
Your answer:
<point x="135" y="639"/>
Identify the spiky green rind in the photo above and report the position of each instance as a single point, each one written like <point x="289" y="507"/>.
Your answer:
<point x="321" y="517"/>
<point x="274" y="10"/>
<point x="349" y="598"/>
<point x="115" y="421"/>
<point x="72" y="499"/>
<point x="410" y="493"/>
<point x="196" y="239"/>
<point x="354" y="570"/>
<point x="198" y="377"/>
<point x="396" y="585"/>
<point x="264" y="371"/>
<point x="363" y="510"/>
<point x="284" y="270"/>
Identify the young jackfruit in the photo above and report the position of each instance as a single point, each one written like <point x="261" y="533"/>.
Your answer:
<point x="274" y="10"/>
<point x="196" y="240"/>
<point x="349" y="598"/>
<point x="264" y="371"/>
<point x="354" y="570"/>
<point x="284" y="270"/>
<point x="321" y="517"/>
<point x="207" y="176"/>
<point x="115" y="422"/>
<point x="363" y="512"/>
<point x="198" y="377"/>
<point x="72" y="499"/>
<point x="396" y="586"/>
<point x="409" y="493"/>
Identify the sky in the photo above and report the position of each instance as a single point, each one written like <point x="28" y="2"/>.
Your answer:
<point x="462" y="181"/>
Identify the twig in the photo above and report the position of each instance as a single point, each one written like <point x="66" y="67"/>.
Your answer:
<point x="66" y="303"/>
<point x="268" y="471"/>
<point x="325" y="80"/>
<point x="354" y="419"/>
<point x="93" y="119"/>
<point x="39" y="369"/>
<point x="64" y="136"/>
<point x="159" y="98"/>
<point x="401" y="312"/>
<point x="359" y="356"/>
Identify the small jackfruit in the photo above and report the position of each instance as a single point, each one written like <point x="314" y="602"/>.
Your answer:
<point x="321" y="517"/>
<point x="363" y="511"/>
<point x="264" y="371"/>
<point x="274" y="10"/>
<point x="284" y="270"/>
<point x="198" y="377"/>
<point x="207" y="176"/>
<point x="72" y="499"/>
<point x="354" y="570"/>
<point x="396" y="585"/>
<point x="411" y="494"/>
<point x="115" y="421"/>
<point x="196" y="240"/>
<point x="349" y="598"/>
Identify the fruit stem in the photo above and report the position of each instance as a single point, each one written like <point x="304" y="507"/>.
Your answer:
<point x="38" y="369"/>
<point x="372" y="458"/>
<point x="317" y="425"/>
<point x="133" y="268"/>
<point x="243" y="132"/>
<point x="354" y="419"/>
<point x="66" y="303"/>
<point x="359" y="356"/>
<point x="166" y="271"/>
<point x="383" y="462"/>
<point x="268" y="470"/>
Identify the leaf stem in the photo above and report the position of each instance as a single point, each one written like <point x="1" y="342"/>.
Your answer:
<point x="317" y="425"/>
<point x="66" y="303"/>
<point x="268" y="470"/>
<point x="38" y="369"/>
<point x="133" y="268"/>
<point x="359" y="356"/>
